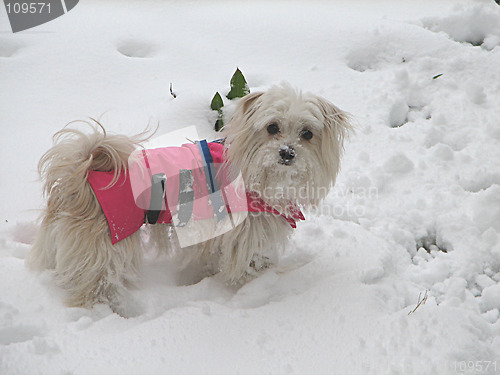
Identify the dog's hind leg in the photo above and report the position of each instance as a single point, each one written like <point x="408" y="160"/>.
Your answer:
<point x="91" y="269"/>
<point x="43" y="253"/>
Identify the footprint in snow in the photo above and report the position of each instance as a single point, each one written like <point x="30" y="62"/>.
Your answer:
<point x="9" y="48"/>
<point x="136" y="48"/>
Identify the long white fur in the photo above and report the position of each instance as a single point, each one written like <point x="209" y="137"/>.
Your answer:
<point x="74" y="238"/>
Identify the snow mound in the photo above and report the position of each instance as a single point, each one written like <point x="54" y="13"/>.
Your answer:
<point x="477" y="24"/>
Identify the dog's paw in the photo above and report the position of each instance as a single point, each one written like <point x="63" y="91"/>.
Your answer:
<point x="258" y="265"/>
<point x="125" y="305"/>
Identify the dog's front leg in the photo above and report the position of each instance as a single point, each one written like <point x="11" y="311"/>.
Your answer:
<point x="251" y="247"/>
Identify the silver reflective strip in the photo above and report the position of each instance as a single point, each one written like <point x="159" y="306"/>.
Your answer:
<point x="186" y="197"/>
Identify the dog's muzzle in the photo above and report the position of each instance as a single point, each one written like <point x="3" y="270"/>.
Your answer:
<point x="287" y="154"/>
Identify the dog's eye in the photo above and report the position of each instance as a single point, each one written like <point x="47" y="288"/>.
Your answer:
<point x="306" y="134"/>
<point x="273" y="128"/>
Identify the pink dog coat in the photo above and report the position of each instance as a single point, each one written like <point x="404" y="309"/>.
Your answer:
<point x="194" y="180"/>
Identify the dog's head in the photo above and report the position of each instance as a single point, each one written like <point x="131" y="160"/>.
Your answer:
<point x="287" y="144"/>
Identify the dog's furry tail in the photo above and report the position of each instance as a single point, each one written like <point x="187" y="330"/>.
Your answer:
<point x="75" y="153"/>
<point x="70" y="199"/>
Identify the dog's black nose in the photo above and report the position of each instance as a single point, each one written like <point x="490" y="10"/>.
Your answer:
<point x="287" y="154"/>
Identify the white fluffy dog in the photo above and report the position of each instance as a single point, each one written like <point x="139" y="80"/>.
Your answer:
<point x="287" y="145"/>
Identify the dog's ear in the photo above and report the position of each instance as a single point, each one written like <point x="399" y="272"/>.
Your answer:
<point x="246" y="105"/>
<point x="336" y="121"/>
<point x="237" y="129"/>
<point x="337" y="126"/>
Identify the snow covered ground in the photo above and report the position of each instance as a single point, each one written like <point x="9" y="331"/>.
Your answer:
<point x="416" y="209"/>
